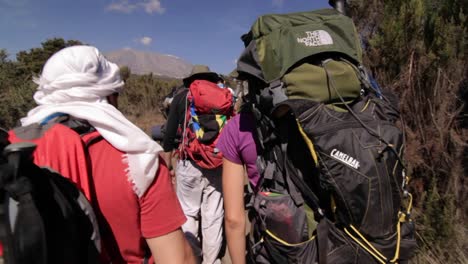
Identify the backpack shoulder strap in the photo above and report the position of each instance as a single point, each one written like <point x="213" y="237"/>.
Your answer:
<point x="185" y="124"/>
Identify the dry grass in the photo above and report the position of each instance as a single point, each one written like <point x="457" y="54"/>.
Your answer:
<point x="147" y="119"/>
<point x="434" y="254"/>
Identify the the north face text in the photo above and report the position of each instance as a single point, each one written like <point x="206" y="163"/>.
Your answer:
<point x="316" y="38"/>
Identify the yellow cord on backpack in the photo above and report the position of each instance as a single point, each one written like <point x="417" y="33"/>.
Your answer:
<point x="410" y="203"/>
<point x="373" y="251"/>
<point x="364" y="247"/>
<point x="286" y="243"/>
<point x="397" y="251"/>
<point x="365" y="106"/>
<point x="367" y="242"/>
<point x="309" y="143"/>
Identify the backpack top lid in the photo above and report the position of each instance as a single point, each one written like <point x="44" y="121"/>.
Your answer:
<point x="276" y="42"/>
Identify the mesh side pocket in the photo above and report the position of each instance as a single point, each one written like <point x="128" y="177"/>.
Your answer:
<point x="283" y="219"/>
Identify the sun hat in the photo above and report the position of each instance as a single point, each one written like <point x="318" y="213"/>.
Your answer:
<point x="201" y="72"/>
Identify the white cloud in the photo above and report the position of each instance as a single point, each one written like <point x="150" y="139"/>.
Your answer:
<point x="128" y="6"/>
<point x="146" y="40"/>
<point x="122" y="6"/>
<point x="278" y="3"/>
<point x="152" y="6"/>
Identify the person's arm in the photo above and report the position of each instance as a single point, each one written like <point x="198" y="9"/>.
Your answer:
<point x="168" y="158"/>
<point x="161" y="219"/>
<point x="175" y="118"/>
<point x="234" y="212"/>
<point x="168" y="248"/>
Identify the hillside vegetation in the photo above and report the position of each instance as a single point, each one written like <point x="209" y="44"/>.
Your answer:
<point x="415" y="48"/>
<point x="418" y="49"/>
<point x="139" y="101"/>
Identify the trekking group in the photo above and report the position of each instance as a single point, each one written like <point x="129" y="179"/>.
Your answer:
<point x="307" y="153"/>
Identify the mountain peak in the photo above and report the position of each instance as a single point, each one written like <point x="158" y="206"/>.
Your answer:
<point x="144" y="62"/>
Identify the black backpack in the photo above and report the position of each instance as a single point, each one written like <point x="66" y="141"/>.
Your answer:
<point x="44" y="218"/>
<point x="333" y="184"/>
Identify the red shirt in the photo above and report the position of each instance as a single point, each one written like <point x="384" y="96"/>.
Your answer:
<point x="130" y="219"/>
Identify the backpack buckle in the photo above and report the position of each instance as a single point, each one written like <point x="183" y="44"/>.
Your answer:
<point x="277" y="93"/>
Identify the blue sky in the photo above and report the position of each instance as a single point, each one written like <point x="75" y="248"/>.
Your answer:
<point x="199" y="31"/>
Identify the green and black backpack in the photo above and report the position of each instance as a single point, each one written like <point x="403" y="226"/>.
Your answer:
<point x="333" y="186"/>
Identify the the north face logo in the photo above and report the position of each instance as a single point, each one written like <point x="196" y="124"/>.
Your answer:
<point x="345" y="158"/>
<point x="316" y="38"/>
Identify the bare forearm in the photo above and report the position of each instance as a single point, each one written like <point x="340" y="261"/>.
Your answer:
<point x="171" y="248"/>
<point x="235" y="235"/>
<point x="233" y="191"/>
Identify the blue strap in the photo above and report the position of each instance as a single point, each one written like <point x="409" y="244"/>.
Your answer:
<point x="376" y="86"/>
<point x="195" y="124"/>
<point x="50" y="117"/>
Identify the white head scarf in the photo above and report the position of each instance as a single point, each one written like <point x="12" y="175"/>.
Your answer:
<point x="76" y="81"/>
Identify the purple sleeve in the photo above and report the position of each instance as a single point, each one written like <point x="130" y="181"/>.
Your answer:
<point x="228" y="142"/>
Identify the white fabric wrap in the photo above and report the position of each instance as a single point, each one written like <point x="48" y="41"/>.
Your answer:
<point x="76" y="81"/>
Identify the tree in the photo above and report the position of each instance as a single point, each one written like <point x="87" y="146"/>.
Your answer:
<point x="125" y="73"/>
<point x="16" y="86"/>
<point x="3" y="56"/>
<point x="31" y="62"/>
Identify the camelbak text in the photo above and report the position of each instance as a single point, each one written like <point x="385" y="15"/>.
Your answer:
<point x="345" y="158"/>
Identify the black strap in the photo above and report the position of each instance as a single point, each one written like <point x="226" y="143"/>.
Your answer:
<point x="29" y="228"/>
<point x="322" y="240"/>
<point x="92" y="141"/>
<point x="6" y="237"/>
<point x="308" y="195"/>
<point x="293" y="190"/>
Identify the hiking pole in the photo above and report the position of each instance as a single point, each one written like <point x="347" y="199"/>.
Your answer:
<point x="339" y="5"/>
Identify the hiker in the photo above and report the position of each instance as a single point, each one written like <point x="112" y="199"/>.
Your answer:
<point x="166" y="104"/>
<point x="237" y="144"/>
<point x="198" y="176"/>
<point x="129" y="187"/>
<point x="158" y="131"/>
<point x="321" y="148"/>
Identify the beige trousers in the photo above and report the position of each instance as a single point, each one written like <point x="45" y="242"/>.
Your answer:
<point x="199" y="192"/>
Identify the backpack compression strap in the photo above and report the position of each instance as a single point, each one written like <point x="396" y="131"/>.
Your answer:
<point x="28" y="227"/>
<point x="313" y="202"/>
<point x="6" y="238"/>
